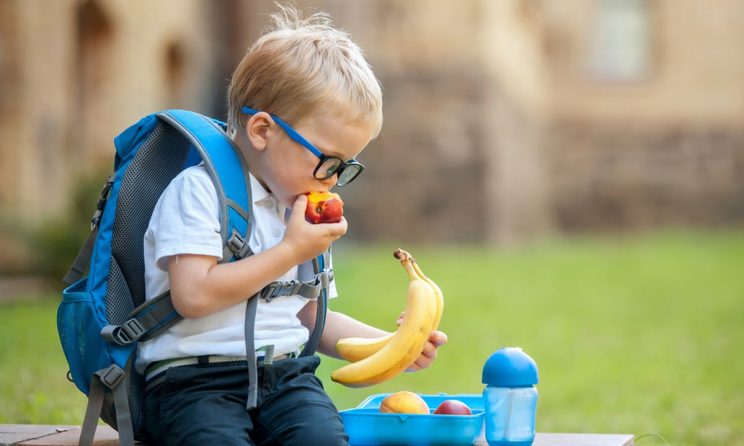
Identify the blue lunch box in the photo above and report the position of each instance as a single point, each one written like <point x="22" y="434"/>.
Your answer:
<point x="367" y="426"/>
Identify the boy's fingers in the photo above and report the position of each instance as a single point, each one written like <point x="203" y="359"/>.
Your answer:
<point x="299" y="205"/>
<point x="430" y="350"/>
<point x="298" y="209"/>
<point x="428" y="355"/>
<point x="337" y="229"/>
<point x="438" y="338"/>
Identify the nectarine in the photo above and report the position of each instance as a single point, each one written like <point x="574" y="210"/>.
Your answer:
<point x="404" y="402"/>
<point x="324" y="207"/>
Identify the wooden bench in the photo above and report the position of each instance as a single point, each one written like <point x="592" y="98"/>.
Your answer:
<point x="47" y="435"/>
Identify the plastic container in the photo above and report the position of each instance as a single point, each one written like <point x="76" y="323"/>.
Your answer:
<point x="367" y="426"/>
<point x="510" y="398"/>
<point x="473" y="400"/>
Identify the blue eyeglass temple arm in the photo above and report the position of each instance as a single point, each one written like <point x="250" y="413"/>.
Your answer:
<point x="289" y="130"/>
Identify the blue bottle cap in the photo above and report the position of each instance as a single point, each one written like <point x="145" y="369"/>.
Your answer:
<point x="510" y="367"/>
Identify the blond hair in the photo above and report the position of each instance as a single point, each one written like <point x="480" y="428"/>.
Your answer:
<point x="301" y="65"/>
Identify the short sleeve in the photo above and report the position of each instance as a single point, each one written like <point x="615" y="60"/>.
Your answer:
<point x="186" y="218"/>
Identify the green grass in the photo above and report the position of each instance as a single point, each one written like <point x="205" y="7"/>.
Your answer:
<point x="638" y="335"/>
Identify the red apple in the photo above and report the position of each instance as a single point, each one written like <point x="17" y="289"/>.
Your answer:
<point x="453" y="407"/>
<point x="324" y="207"/>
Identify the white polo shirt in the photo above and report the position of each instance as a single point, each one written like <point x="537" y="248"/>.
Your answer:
<point x="186" y="221"/>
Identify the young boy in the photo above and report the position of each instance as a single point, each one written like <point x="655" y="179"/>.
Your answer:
<point x="303" y="76"/>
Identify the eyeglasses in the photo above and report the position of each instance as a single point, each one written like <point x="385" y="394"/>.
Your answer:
<point x="328" y="166"/>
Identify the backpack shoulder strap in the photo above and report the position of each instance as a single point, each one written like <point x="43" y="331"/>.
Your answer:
<point x="229" y="173"/>
<point x="321" y="264"/>
<point x="323" y="274"/>
<point x="227" y="169"/>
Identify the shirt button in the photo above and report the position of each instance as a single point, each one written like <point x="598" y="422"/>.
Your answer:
<point x="277" y="233"/>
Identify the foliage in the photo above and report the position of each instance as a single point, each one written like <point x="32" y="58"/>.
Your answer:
<point x="55" y="241"/>
<point x="636" y="335"/>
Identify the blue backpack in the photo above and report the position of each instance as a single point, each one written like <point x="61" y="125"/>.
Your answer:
<point x="103" y="314"/>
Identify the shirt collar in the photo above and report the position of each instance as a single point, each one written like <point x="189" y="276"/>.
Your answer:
<point x="259" y="193"/>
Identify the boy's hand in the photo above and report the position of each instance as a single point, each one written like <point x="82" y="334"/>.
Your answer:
<point x="429" y="354"/>
<point x="308" y="240"/>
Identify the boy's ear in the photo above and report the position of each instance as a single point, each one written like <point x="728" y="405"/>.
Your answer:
<point x="258" y="128"/>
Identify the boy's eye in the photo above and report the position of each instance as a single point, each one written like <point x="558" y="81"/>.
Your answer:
<point x="329" y="166"/>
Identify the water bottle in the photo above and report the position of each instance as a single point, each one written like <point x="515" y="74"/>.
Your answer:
<point x="510" y="398"/>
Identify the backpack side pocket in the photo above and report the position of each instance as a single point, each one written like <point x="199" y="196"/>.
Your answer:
<point x="79" y="332"/>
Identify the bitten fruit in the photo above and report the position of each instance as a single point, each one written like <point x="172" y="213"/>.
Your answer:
<point x="324" y="207"/>
<point x="404" y="402"/>
<point x="453" y="407"/>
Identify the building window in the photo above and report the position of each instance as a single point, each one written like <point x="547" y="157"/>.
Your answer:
<point x="620" y="43"/>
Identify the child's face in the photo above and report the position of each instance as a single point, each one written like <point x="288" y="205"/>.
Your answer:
<point x="287" y="167"/>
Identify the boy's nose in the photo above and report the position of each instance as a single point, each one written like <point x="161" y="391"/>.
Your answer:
<point x="330" y="182"/>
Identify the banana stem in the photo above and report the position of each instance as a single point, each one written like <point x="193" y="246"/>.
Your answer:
<point x="400" y="254"/>
<point x="406" y="260"/>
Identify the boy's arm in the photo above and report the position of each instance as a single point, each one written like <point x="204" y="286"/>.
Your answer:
<point x="339" y="325"/>
<point x="200" y="286"/>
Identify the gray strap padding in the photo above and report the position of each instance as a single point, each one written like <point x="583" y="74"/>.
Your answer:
<point x="320" y="313"/>
<point x="235" y="246"/>
<point x="92" y="413"/>
<point x="123" y="417"/>
<point x="144" y="322"/>
<point x="318" y="287"/>
<point x="308" y="289"/>
<point x="250" y="352"/>
<point x="82" y="260"/>
<point x="160" y="316"/>
<point x="111" y="378"/>
<point x="312" y="343"/>
<point x="236" y="207"/>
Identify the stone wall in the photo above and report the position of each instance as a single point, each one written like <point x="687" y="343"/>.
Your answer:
<point x="496" y="128"/>
<point x="424" y="180"/>
<point x="618" y="178"/>
<point x="76" y="73"/>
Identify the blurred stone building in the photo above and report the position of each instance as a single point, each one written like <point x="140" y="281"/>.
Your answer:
<point x="504" y="120"/>
<point x="75" y="73"/>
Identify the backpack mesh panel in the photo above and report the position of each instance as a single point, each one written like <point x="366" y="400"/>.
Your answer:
<point x="160" y="158"/>
<point x="117" y="290"/>
<point x="137" y="402"/>
<point x="157" y="162"/>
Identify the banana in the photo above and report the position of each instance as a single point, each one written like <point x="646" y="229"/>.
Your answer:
<point x="406" y="344"/>
<point x="437" y="292"/>
<point x="355" y="349"/>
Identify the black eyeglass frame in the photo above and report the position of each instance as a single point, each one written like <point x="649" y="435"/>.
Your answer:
<point x="337" y="166"/>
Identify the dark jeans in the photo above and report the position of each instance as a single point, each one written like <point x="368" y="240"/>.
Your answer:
<point x="205" y="404"/>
